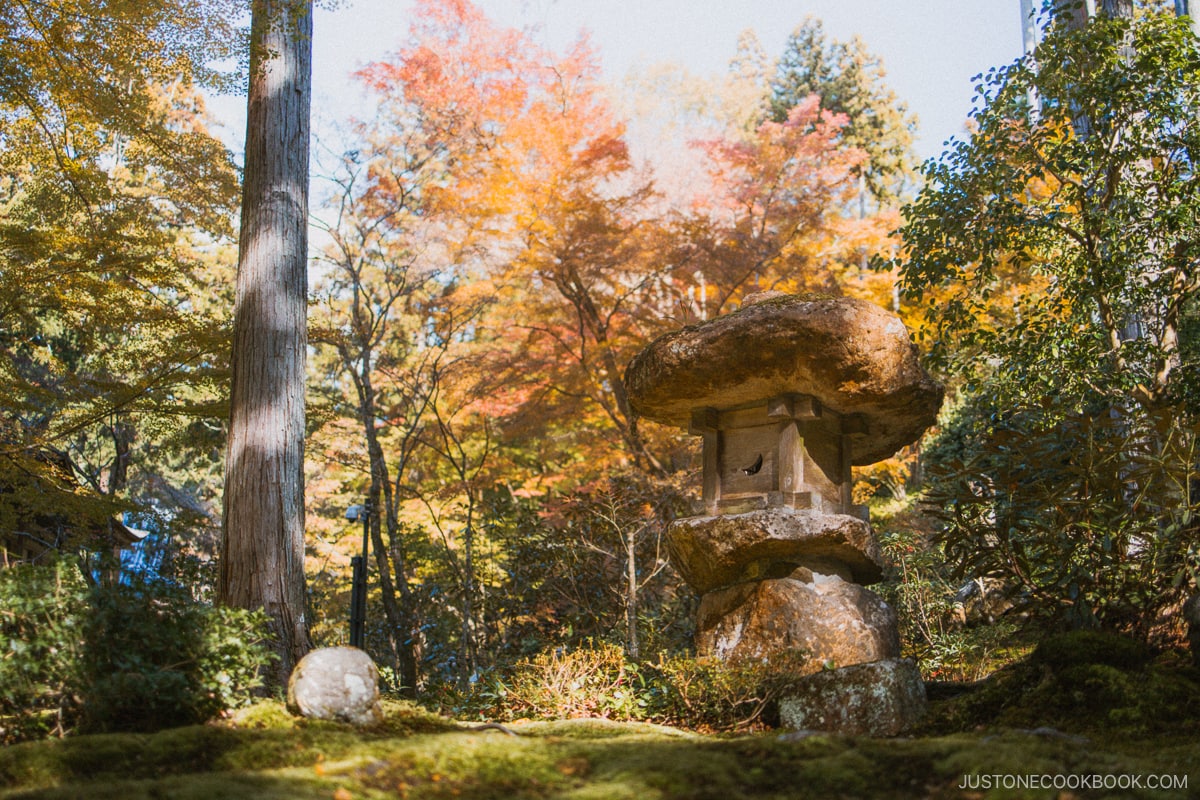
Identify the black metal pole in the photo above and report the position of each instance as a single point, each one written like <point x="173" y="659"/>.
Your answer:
<point x="358" y="588"/>
<point x="358" y="591"/>
<point x="366" y="521"/>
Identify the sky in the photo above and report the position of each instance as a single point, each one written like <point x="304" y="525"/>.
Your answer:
<point x="930" y="49"/>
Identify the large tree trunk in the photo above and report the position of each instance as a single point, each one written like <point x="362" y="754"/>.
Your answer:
<point x="1191" y="10"/>
<point x="1082" y="11"/>
<point x="262" y="563"/>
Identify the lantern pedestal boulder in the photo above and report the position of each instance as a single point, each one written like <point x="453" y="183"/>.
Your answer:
<point x="833" y="621"/>
<point x="788" y="395"/>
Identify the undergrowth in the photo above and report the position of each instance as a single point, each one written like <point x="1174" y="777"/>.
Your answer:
<point x="127" y="657"/>
<point x="599" y="681"/>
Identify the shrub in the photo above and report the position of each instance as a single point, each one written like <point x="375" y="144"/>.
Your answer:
<point x="126" y="657"/>
<point x="590" y="681"/>
<point x="42" y="611"/>
<point x="599" y="681"/>
<point x="1090" y="516"/>
<point x="154" y="659"/>
<point x="933" y="627"/>
<point x="723" y="695"/>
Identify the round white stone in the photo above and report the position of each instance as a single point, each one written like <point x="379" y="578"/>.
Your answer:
<point x="336" y="683"/>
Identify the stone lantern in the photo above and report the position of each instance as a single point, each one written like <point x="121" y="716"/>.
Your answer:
<point x="789" y="394"/>
<point x="783" y="452"/>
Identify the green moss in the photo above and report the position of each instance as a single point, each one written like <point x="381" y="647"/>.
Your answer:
<point x="194" y="787"/>
<point x="265" y="753"/>
<point x="463" y="765"/>
<point x="263" y="714"/>
<point x="593" y="728"/>
<point x="181" y="750"/>
<point x="403" y="717"/>
<point x="264" y="736"/>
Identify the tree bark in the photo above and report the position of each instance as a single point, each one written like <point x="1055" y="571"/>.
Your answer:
<point x="1112" y="8"/>
<point x="632" y="648"/>
<point x="1117" y="8"/>
<point x="1191" y="10"/>
<point x="262" y="564"/>
<point x="399" y="613"/>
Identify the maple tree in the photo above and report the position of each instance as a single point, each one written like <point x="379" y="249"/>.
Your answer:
<point x="115" y="200"/>
<point x="829" y="246"/>
<point x="539" y="167"/>
<point x="583" y="257"/>
<point x="585" y="280"/>
<point x="771" y="196"/>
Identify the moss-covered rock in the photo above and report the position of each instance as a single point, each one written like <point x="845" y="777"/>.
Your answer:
<point x="1084" y="682"/>
<point x="1091" y="647"/>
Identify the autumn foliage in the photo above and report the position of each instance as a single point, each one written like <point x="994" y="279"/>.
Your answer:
<point x="500" y="252"/>
<point x="496" y="245"/>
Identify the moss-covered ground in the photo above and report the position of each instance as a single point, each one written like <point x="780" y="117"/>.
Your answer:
<point x="1080" y="705"/>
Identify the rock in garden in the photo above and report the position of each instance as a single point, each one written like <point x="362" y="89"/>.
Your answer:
<point x="1191" y="615"/>
<point x="835" y="622"/>
<point x="336" y="683"/>
<point x="716" y="551"/>
<point x="883" y="698"/>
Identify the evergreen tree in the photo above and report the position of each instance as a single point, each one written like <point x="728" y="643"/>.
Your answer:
<point x="1073" y="466"/>
<point x="849" y="80"/>
<point x="262" y="554"/>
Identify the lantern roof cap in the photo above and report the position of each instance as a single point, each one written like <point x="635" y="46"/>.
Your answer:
<point x="851" y="355"/>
